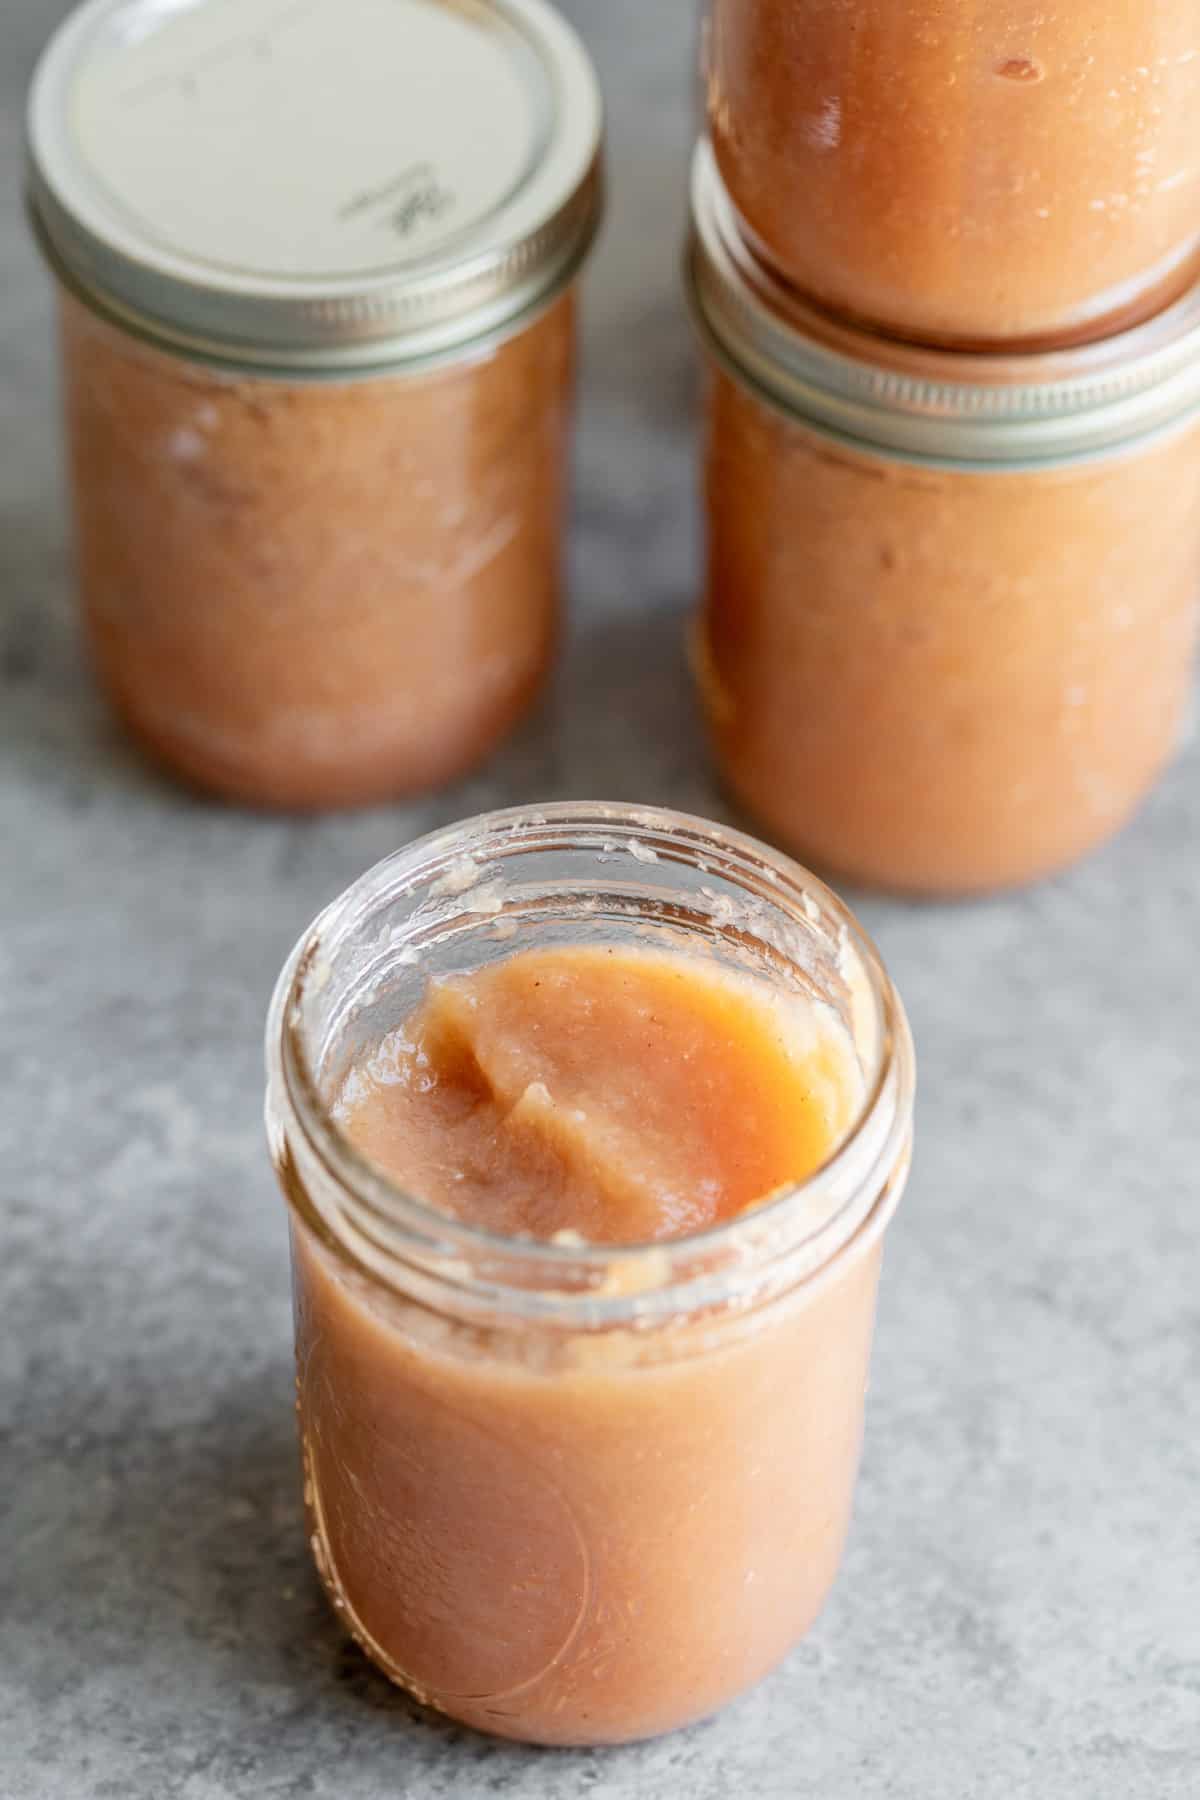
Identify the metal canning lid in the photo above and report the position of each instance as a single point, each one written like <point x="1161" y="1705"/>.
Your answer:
<point x="945" y="407"/>
<point x="315" y="184"/>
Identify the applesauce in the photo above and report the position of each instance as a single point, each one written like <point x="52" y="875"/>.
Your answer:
<point x="611" y="1094"/>
<point x="950" y="609"/>
<point x="569" y="1485"/>
<point x="317" y="442"/>
<point x="964" y="174"/>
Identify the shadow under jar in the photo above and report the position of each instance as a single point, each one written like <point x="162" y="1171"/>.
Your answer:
<point x="951" y="602"/>
<point x="569" y="1492"/>
<point x="963" y="173"/>
<point x="317" y="338"/>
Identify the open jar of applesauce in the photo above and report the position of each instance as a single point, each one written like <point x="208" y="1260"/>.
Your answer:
<point x="951" y="602"/>
<point x="316" y="266"/>
<point x="957" y="173"/>
<point x="571" y="1489"/>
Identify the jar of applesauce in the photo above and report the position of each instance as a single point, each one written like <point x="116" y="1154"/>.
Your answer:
<point x="569" y="1487"/>
<point x="316" y="267"/>
<point x="957" y="173"/>
<point x="951" y="602"/>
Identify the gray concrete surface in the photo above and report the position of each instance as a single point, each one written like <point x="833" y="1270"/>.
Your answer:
<point x="1019" y="1613"/>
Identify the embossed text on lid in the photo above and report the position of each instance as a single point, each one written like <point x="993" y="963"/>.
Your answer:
<point x="342" y="179"/>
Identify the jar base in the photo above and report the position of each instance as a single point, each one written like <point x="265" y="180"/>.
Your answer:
<point x="340" y="784"/>
<point x="516" y="1715"/>
<point x="932" y="880"/>
<point x="496" y="1726"/>
<point x="1136" y="304"/>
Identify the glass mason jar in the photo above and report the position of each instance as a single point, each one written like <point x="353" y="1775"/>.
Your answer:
<point x="964" y="174"/>
<point x="568" y="1493"/>
<point x="317" y="442"/>
<point x="951" y="602"/>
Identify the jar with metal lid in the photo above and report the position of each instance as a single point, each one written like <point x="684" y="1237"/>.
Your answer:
<point x="573" y="1491"/>
<point x="951" y="602"/>
<point x="316" y="266"/>
<point x="957" y="173"/>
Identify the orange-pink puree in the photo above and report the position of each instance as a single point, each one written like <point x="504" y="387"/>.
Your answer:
<point x="585" y="1538"/>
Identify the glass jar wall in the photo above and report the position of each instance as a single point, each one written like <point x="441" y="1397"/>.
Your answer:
<point x="314" y="593"/>
<point x="965" y="174"/>
<point x="572" y="1492"/>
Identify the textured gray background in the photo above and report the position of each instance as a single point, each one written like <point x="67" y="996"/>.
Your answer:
<point x="1020" y="1609"/>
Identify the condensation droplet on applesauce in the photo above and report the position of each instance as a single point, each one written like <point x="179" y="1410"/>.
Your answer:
<point x="1021" y="68"/>
<point x="185" y="445"/>
<point x="824" y="129"/>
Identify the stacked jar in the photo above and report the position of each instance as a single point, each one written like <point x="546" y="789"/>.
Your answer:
<point x="945" y="261"/>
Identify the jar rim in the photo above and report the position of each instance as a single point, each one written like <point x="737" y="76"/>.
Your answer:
<point x="953" y="408"/>
<point x="373" y="297"/>
<point x="602" y="1283"/>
